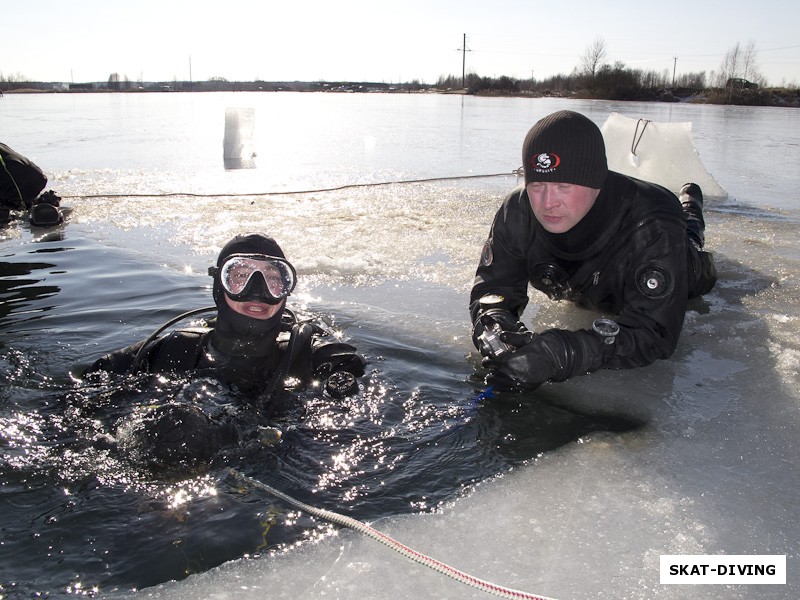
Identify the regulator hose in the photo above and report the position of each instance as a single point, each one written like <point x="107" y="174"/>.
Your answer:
<point x="141" y="353"/>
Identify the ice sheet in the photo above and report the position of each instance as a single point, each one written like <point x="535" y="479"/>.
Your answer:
<point x="663" y="153"/>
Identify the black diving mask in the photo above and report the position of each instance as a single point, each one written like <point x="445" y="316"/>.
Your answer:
<point x="256" y="277"/>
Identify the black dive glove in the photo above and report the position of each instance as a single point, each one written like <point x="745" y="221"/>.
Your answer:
<point x="497" y="332"/>
<point x="554" y="355"/>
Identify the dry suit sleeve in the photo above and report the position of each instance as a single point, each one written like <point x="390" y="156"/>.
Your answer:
<point x="119" y="361"/>
<point x="656" y="295"/>
<point x="503" y="265"/>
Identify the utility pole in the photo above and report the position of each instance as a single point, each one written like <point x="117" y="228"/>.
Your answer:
<point x="674" y="65"/>
<point x="464" y="62"/>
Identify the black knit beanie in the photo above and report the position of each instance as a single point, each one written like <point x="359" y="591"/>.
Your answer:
<point x="565" y="147"/>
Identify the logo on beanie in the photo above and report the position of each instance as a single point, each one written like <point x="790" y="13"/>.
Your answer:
<point x="546" y="162"/>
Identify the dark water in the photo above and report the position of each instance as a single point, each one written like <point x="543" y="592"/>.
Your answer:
<point x="81" y="515"/>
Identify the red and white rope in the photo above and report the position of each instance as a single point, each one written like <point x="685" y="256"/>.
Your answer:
<point x="417" y="557"/>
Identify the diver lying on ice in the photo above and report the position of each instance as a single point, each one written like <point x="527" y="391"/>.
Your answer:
<point x="602" y="240"/>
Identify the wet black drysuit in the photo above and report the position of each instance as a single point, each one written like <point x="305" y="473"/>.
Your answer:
<point x="248" y="367"/>
<point x="256" y="356"/>
<point x="179" y="435"/>
<point x="629" y="258"/>
<point x="21" y="180"/>
<point x="241" y="350"/>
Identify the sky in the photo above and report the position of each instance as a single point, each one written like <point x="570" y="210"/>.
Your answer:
<point x="384" y="40"/>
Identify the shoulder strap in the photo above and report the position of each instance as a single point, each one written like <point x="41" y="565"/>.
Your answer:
<point x="299" y="338"/>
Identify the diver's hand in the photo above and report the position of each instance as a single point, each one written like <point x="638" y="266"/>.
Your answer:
<point x="538" y="359"/>
<point x="497" y="331"/>
<point x="519" y="337"/>
<point x="504" y="318"/>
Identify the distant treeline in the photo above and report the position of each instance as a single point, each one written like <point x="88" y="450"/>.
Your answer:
<point x="609" y="83"/>
<point x="629" y="85"/>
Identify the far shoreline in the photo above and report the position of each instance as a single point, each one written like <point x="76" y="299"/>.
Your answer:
<point x="778" y="97"/>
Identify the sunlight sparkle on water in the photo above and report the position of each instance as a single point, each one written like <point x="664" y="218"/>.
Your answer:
<point x="190" y="490"/>
<point x="78" y="589"/>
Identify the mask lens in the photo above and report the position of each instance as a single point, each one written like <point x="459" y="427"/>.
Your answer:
<point x="238" y="271"/>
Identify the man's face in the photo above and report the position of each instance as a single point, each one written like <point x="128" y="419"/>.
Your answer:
<point x="560" y="206"/>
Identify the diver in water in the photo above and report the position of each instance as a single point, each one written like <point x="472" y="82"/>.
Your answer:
<point x="602" y="240"/>
<point x="255" y="345"/>
<point x="21" y="183"/>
